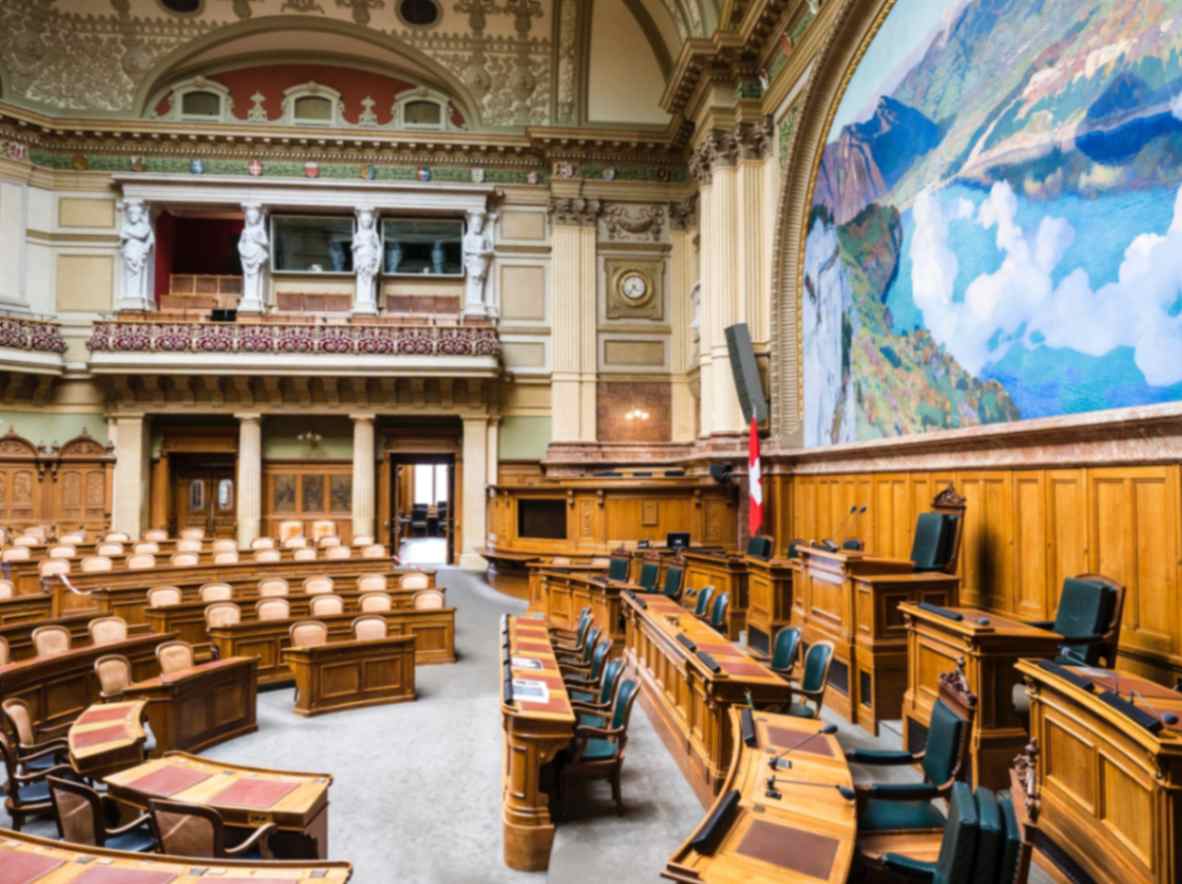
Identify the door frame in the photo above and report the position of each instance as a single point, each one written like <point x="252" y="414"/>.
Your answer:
<point x="395" y="459"/>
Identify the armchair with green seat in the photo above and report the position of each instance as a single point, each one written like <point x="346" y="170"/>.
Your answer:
<point x="598" y="752"/>
<point x="571" y="639"/>
<point x="646" y="581"/>
<point x="1088" y="618"/>
<point x="785" y="652"/>
<point x="884" y="807"/>
<point x="587" y="677"/>
<point x="594" y="707"/>
<point x="813" y="680"/>
<point x="703" y="605"/>
<point x="580" y="655"/>
<point x="959" y="848"/>
<point x="672" y="584"/>
<point x="718" y="612"/>
<point x="618" y="567"/>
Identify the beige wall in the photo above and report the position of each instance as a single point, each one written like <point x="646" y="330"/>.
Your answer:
<point x="625" y="80"/>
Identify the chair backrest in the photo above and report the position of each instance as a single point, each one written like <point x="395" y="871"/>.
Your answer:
<point x="308" y="633"/>
<point x="230" y="557"/>
<point x="114" y="675"/>
<point x="117" y="537"/>
<point x="163" y="596"/>
<point x="816" y="666"/>
<point x="95" y="564"/>
<point x="50" y="567"/>
<point x="107" y="630"/>
<point x="560" y="560"/>
<point x="958" y="849"/>
<point x="216" y="592"/>
<point x="273" y="609"/>
<point x="649" y="571"/>
<point x="188" y="829"/>
<point x="760" y="546"/>
<point x="141" y="562"/>
<point x="63" y="551"/>
<point x="1090" y="605"/>
<point x="328" y="540"/>
<point x="297" y="542"/>
<point x="672" y="586"/>
<point x="372" y="583"/>
<point x="369" y="628"/>
<point x="336" y="553"/>
<point x="222" y="614"/>
<point x="272" y="587"/>
<point x="989" y="835"/>
<point x="20" y="720"/>
<point x="937" y="538"/>
<point x="362" y="539"/>
<point x="79" y="811"/>
<point x="428" y="600"/>
<point x="146" y="548"/>
<point x="326" y="605"/>
<point x="224" y="545"/>
<point x="947" y="735"/>
<point x="1012" y="845"/>
<point x="618" y="567"/>
<point x="323" y="528"/>
<point x="290" y="528"/>
<point x="109" y="549"/>
<point x="15" y="554"/>
<point x="262" y="543"/>
<point x="625" y="697"/>
<point x="26" y="540"/>
<point x="592" y="641"/>
<point x="610" y="679"/>
<point x="184" y="560"/>
<point x="5" y="651"/>
<point x="375" y="601"/>
<point x="718" y="613"/>
<point x="318" y="584"/>
<point x="703" y="601"/>
<point x="414" y="580"/>
<point x="73" y="538"/>
<point x="192" y="533"/>
<point x="303" y="554"/>
<point x="156" y="535"/>
<point x="785" y="650"/>
<point x="174" y="656"/>
<point x="6" y="589"/>
<point x="51" y="640"/>
<point x="373" y="551"/>
<point x="188" y="546"/>
<point x="267" y="555"/>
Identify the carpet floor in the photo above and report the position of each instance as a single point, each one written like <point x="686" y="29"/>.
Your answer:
<point x="416" y="786"/>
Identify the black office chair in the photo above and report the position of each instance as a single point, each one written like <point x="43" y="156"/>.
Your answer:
<point x="418" y="520"/>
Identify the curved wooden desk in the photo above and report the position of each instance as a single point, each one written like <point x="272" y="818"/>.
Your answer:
<point x="808" y="833"/>
<point x="107" y="737"/>
<point x="347" y="674"/>
<point x="562" y="593"/>
<point x="246" y="797"/>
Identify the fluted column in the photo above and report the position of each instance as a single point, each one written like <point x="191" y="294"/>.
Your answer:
<point x="752" y="238"/>
<point x="726" y="293"/>
<point x="475" y="492"/>
<point x="573" y="335"/>
<point x="683" y="276"/>
<point x="363" y="475"/>
<point x="250" y="478"/>
<point x="130" y="481"/>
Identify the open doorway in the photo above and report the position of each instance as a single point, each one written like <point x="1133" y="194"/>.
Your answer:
<point x="423" y="495"/>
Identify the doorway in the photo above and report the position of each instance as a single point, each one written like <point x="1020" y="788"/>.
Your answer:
<point x="204" y="493"/>
<point x="423" y="496"/>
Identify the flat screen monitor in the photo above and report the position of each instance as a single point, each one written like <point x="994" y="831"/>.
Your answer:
<point x="677" y="539"/>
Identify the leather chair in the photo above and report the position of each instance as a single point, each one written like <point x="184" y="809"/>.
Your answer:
<point x="114" y="675"/>
<point x="222" y="614"/>
<point x="703" y="606"/>
<point x="813" y="679"/>
<point x="318" y="584"/>
<point x="958" y="848"/>
<point x="51" y="640"/>
<point x="86" y="817"/>
<point x="272" y="609"/>
<point x="107" y="630"/>
<point x="672" y="585"/>
<point x="369" y="628"/>
<point x="760" y="547"/>
<point x="718" y="612"/>
<point x="5" y="651"/>
<point x="196" y="830"/>
<point x="586" y="679"/>
<point x="141" y="562"/>
<point x="163" y="596"/>
<point x="1088" y="618"/>
<point x="571" y="640"/>
<point x="594" y="707"/>
<point x="580" y="659"/>
<point x="174" y="656"/>
<point x="27" y="792"/>
<point x="95" y="564"/>
<point x="887" y="807"/>
<point x="428" y="600"/>
<point x="372" y="602"/>
<point x="785" y="651"/>
<point x="273" y="587"/>
<point x="649" y="572"/>
<point x="372" y="583"/>
<point x="326" y="604"/>
<point x="308" y="634"/>
<point x="598" y="752"/>
<point x="618" y="567"/>
<point x="29" y="742"/>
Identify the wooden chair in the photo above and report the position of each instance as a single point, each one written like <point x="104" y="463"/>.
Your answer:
<point x="428" y="600"/>
<point x="317" y="585"/>
<point x="184" y="560"/>
<point x="62" y="552"/>
<point x="174" y="656"/>
<point x="15" y="554"/>
<point x="956" y="863"/>
<point x="372" y="583"/>
<point x="27" y="792"/>
<point x="813" y="679"/>
<point x="268" y="555"/>
<point x="884" y="807"/>
<point x="216" y="592"/>
<point x="86" y="817"/>
<point x="369" y="628"/>
<point x="188" y="546"/>
<point x="594" y="707"/>
<point x="198" y="831"/>
<point x="373" y="551"/>
<point x="273" y="587"/>
<point x="785" y="652"/>
<point x="146" y="549"/>
<point x="308" y="634"/>
<point x="29" y="741"/>
<point x="414" y="580"/>
<point x="229" y="557"/>
<point x="584" y="664"/>
<point x="326" y="605"/>
<point x="1091" y="608"/>
<point x="260" y="543"/>
<point x="95" y="564"/>
<point x="303" y="554"/>
<point x="598" y="752"/>
<point x="192" y="534"/>
<point x="51" y="640"/>
<point x="163" y="596"/>
<point x="156" y="535"/>
<point x="140" y="562"/>
<point x="107" y="630"/>
<point x="114" y="675"/>
<point x="337" y="553"/>
<point x="222" y="614"/>
<point x="273" y="609"/>
<point x="587" y="680"/>
<point x="224" y="545"/>
<point x="7" y="590"/>
<point x="109" y="549"/>
<point x="371" y="602"/>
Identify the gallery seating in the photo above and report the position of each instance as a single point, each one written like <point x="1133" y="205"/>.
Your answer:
<point x="86" y="816"/>
<point x="198" y="831"/>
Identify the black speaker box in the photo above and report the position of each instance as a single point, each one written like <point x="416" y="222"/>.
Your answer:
<point x="746" y="373"/>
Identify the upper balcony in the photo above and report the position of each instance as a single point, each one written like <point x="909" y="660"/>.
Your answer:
<point x="31" y="346"/>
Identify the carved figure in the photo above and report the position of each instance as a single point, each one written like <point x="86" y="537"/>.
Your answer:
<point x="478" y="252"/>
<point x="254" y="251"/>
<point x="136" y="241"/>
<point x="367" y="259"/>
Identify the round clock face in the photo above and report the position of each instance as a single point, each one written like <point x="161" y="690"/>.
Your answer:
<point x="633" y="286"/>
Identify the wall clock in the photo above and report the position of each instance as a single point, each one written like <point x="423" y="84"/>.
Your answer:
<point x="635" y="287"/>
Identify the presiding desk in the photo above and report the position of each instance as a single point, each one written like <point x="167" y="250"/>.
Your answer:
<point x="507" y="570"/>
<point x="107" y="737"/>
<point x="988" y="645"/>
<point x="726" y="572"/>
<point x="201" y="706"/>
<point x="1106" y="774"/>
<point x="246" y="797"/>
<point x="538" y="721"/>
<point x="434" y="632"/>
<point x="26" y="858"/>
<point x="690" y="676"/>
<point x="807" y="833"/>
<point x="346" y="674"/>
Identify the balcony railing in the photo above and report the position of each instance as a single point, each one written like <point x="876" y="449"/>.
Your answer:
<point x="292" y="339"/>
<point x="34" y="335"/>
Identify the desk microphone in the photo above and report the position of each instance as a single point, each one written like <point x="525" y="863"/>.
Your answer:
<point x="855" y="510"/>
<point x="774" y="763"/>
<point x="772" y="792"/>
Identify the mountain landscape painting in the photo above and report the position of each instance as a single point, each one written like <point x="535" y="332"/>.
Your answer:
<point x="996" y="227"/>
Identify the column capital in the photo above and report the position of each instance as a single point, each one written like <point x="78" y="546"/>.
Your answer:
<point x="717" y="150"/>
<point x="754" y="139"/>
<point x="248" y="416"/>
<point x="362" y="417"/>
<point x="578" y="211"/>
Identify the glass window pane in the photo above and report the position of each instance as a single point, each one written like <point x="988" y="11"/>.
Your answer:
<point x="313" y="497"/>
<point x="422" y="113"/>
<point x="340" y="490"/>
<point x="308" y="244"/>
<point x="313" y="107"/>
<point x="423" y="247"/>
<point x="423" y="476"/>
<point x="201" y="104"/>
<point x="441" y="483"/>
<point x="226" y="495"/>
<point x="196" y="495"/>
<point x="283" y="494"/>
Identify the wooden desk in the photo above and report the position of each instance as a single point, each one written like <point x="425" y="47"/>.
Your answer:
<point x="688" y="698"/>
<point x="57" y="689"/>
<point x="507" y="570"/>
<point x="935" y="644"/>
<point x="246" y="797"/>
<point x="564" y="593"/>
<point x="726" y="572"/>
<point x="36" y="607"/>
<point x="107" y="737"/>
<point x="807" y="834"/>
<point x="20" y="635"/>
<point x="535" y="730"/>
<point x="344" y="674"/>
<point x="434" y="633"/>
<point x="59" y="862"/>
<point x="540" y="599"/>
<point x="1108" y="790"/>
<point x="202" y="706"/>
<point x="770" y="598"/>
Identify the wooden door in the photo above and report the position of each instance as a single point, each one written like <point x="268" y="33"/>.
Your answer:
<point x="206" y="497"/>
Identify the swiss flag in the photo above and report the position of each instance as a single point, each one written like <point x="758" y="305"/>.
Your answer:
<point x="754" y="482"/>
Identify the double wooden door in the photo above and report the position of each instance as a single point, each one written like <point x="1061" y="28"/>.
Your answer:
<point x="205" y="495"/>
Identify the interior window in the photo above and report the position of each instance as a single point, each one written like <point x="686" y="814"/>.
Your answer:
<point x="422" y="113"/>
<point x="201" y="104"/>
<point x="196" y="495"/>
<point x="308" y="244"/>
<point x="424" y="477"/>
<point x="441" y="483"/>
<point x="423" y="247"/>
<point x="226" y="495"/>
<point x="313" y="109"/>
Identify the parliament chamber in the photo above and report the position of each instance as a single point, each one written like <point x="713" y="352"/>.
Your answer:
<point x="591" y="441"/>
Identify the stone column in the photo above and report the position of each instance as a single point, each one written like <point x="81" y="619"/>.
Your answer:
<point x="493" y="449"/>
<point x="754" y="242"/>
<point x="683" y="277"/>
<point x="14" y="248"/>
<point x="363" y="475"/>
<point x="250" y="478"/>
<point x="475" y="493"/>
<point x="575" y="336"/>
<point x="130" y="481"/>
<point x="137" y="257"/>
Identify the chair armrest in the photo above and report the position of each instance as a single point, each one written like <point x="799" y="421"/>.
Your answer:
<point x="908" y="867"/>
<point x="54" y="728"/>
<point x="586" y="730"/>
<point x="597" y="708"/>
<point x="56" y="770"/>
<point x="879" y="756"/>
<point x="135" y="823"/>
<point x="1042" y="624"/>
<point x="898" y="791"/>
<point x="264" y="848"/>
<point x="43" y="749"/>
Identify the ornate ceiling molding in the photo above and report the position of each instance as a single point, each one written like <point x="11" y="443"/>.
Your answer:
<point x="577" y="211"/>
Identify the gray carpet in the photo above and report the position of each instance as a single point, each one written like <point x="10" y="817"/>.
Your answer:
<point x="416" y="789"/>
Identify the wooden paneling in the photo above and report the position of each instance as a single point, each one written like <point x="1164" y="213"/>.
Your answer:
<point x="68" y="487"/>
<point x="1025" y="531"/>
<point x="310" y="492"/>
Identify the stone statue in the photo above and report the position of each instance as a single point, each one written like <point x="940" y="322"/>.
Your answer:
<point x="367" y="260"/>
<point x="254" y="251"/>
<point x="478" y="252"/>
<point x="136" y="241"/>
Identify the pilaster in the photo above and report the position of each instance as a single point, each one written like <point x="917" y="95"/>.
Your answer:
<point x="363" y="475"/>
<point x="475" y="492"/>
<point x="250" y="478"/>
<point x="130" y="484"/>
<point x="573" y="249"/>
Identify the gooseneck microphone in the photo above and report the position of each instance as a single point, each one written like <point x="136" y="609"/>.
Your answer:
<point x="774" y="764"/>
<point x="772" y="792"/>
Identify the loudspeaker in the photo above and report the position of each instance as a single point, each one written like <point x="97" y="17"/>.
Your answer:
<point x="224" y="315"/>
<point x="721" y="472"/>
<point x="746" y="373"/>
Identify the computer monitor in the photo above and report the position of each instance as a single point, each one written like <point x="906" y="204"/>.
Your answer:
<point x="677" y="539"/>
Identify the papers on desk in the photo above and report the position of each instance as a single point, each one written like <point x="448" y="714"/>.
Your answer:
<point x="527" y="663"/>
<point x="530" y="690"/>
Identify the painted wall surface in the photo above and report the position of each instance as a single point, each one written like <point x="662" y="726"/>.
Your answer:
<point x="996" y="228"/>
<point x="53" y="428"/>
<point x="523" y="437"/>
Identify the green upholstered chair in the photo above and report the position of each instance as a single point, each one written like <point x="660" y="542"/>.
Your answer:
<point x="1090" y="611"/>
<point x="933" y="546"/>
<point x="718" y="612"/>
<point x="785" y="651"/>
<point x="1014" y="859"/>
<point x="649" y="572"/>
<point x="587" y="677"/>
<point x="956" y="863"/>
<point x="571" y="639"/>
<point x="795" y="545"/>
<point x="598" y="752"/>
<point x="813" y="678"/>
<point x="582" y="658"/>
<point x="672" y="584"/>
<point x="618" y="567"/>
<point x="760" y="547"/>
<point x="594" y="708"/>
<point x="989" y="837"/>
<point x="703" y="602"/>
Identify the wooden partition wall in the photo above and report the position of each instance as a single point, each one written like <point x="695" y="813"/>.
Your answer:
<point x="67" y="486"/>
<point x="1025" y="530"/>
<point x="308" y="491"/>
